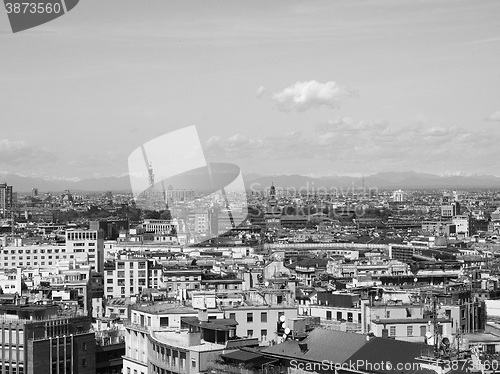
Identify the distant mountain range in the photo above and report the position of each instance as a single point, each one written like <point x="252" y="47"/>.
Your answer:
<point x="385" y="180"/>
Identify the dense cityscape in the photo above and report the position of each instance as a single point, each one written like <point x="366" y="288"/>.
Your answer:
<point x="249" y="187"/>
<point x="93" y="283"/>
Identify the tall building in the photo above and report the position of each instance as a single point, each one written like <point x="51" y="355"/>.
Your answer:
<point x="89" y="242"/>
<point x="450" y="210"/>
<point x="398" y="196"/>
<point x="6" y="200"/>
<point x="33" y="339"/>
<point x="129" y="277"/>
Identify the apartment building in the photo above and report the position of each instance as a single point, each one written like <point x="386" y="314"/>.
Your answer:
<point x="35" y="256"/>
<point x="261" y="321"/>
<point x="34" y="339"/>
<point x="130" y="276"/>
<point x="147" y="336"/>
<point x="181" y="279"/>
<point x="89" y="242"/>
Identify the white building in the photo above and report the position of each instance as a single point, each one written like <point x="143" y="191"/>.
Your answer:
<point x="89" y="242"/>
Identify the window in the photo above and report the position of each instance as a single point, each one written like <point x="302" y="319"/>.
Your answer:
<point x="84" y="346"/>
<point x="329" y="315"/>
<point x="388" y="314"/>
<point x="249" y="333"/>
<point x="263" y="317"/>
<point x="263" y="334"/>
<point x="339" y="316"/>
<point x="349" y="316"/>
<point x="249" y="317"/>
<point x="423" y="330"/>
<point x="392" y="331"/>
<point x="84" y="362"/>
<point x="409" y="330"/>
<point x="232" y="316"/>
<point x="193" y="364"/>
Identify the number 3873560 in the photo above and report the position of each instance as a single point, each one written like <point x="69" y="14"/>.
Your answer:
<point x="20" y="8"/>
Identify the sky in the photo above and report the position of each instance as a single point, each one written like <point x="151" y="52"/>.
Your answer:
<point x="275" y="87"/>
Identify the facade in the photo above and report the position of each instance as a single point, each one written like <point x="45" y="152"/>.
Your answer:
<point x="142" y="336"/>
<point x="128" y="277"/>
<point x="180" y="352"/>
<point x="199" y="222"/>
<point x="399" y="196"/>
<point x="450" y="210"/>
<point x="33" y="339"/>
<point x="6" y="200"/>
<point x="181" y="279"/>
<point x="36" y="256"/>
<point x="261" y="322"/>
<point x="461" y="223"/>
<point x="159" y="226"/>
<point x="88" y="242"/>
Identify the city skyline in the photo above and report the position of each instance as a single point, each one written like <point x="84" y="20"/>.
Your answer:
<point x="326" y="88"/>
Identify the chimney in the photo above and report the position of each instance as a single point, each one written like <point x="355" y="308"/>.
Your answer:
<point x="202" y="315"/>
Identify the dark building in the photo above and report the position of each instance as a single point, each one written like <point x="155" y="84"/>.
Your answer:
<point x="109" y="351"/>
<point x="111" y="228"/>
<point x="33" y="338"/>
<point x="6" y="200"/>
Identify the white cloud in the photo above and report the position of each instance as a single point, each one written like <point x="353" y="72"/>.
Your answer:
<point x="19" y="152"/>
<point x="495" y="117"/>
<point x="302" y="96"/>
<point x="348" y="145"/>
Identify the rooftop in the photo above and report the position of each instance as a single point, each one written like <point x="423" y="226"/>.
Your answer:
<point x="181" y="340"/>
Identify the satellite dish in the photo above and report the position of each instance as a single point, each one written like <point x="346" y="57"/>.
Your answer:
<point x="282" y="318"/>
<point x="415" y="280"/>
<point x="266" y="284"/>
<point x="287" y="331"/>
<point x="428" y="334"/>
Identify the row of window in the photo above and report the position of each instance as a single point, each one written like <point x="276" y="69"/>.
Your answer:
<point x="263" y="334"/>
<point x="409" y="330"/>
<point x="112" y="289"/>
<point x="35" y="263"/>
<point x="6" y="258"/>
<point x="263" y="316"/>
<point x="28" y="251"/>
<point x="82" y="235"/>
<point x="350" y="317"/>
<point x="140" y="265"/>
<point x="171" y="357"/>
